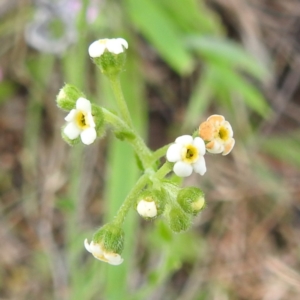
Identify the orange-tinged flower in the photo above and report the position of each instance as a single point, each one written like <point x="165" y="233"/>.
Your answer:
<point x="218" y="135"/>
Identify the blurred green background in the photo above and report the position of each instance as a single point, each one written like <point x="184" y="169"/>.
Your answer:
<point x="186" y="60"/>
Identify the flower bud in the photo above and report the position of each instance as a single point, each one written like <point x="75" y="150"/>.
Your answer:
<point x="107" y="244"/>
<point x="191" y="200"/>
<point x="151" y="204"/>
<point x="179" y="220"/>
<point x="109" y="55"/>
<point x="67" y="97"/>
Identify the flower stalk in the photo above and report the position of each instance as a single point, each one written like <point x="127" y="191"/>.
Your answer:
<point x="138" y="144"/>
<point x="122" y="105"/>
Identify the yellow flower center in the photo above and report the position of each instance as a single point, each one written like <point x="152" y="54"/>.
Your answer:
<point x="189" y="154"/>
<point x="81" y="120"/>
<point x="103" y="41"/>
<point x="223" y="133"/>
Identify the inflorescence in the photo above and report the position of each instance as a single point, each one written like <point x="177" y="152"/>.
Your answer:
<point x="155" y="194"/>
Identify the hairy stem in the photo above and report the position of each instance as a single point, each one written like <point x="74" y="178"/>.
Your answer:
<point x="142" y="151"/>
<point x="116" y="87"/>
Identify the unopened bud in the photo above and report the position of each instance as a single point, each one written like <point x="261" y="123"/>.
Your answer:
<point x="146" y="208"/>
<point x="107" y="244"/>
<point x="67" y="97"/>
<point x="191" y="200"/>
<point x="151" y="204"/>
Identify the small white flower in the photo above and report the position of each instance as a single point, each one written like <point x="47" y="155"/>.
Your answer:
<point x="187" y="154"/>
<point x="100" y="253"/>
<point x="147" y="209"/>
<point x="81" y="122"/>
<point x="115" y="46"/>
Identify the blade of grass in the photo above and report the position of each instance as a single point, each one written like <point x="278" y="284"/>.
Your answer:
<point x="152" y="21"/>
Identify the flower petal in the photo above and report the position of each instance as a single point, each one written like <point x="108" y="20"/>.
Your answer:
<point x="90" y="120"/>
<point x="200" y="145"/>
<point x="113" y="258"/>
<point x="199" y="166"/>
<point x="83" y="104"/>
<point x="228" y="146"/>
<point x="96" y="49"/>
<point x="88" y="135"/>
<point x="229" y="128"/>
<point x="87" y="245"/>
<point x="182" y="169"/>
<point x="206" y="131"/>
<point x="215" y="147"/>
<point x="174" y="153"/>
<point x="71" y="115"/>
<point x="123" y="42"/>
<point x="184" y="140"/>
<point x="96" y="250"/>
<point x="216" y="119"/>
<point x="72" y="131"/>
<point x="114" y="46"/>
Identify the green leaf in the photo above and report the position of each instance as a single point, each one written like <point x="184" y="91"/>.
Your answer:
<point x="199" y="101"/>
<point x="222" y="51"/>
<point x="232" y="82"/>
<point x="285" y="148"/>
<point x="194" y="18"/>
<point x="153" y="22"/>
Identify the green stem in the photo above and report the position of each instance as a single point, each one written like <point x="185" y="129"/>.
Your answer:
<point x="121" y="214"/>
<point x="164" y="170"/>
<point x="160" y="153"/>
<point x="143" y="152"/>
<point x="127" y="204"/>
<point x="116" y="87"/>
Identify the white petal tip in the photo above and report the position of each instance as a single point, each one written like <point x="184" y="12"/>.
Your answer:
<point x="123" y="42"/>
<point x="182" y="169"/>
<point x="88" y="136"/>
<point x="87" y="245"/>
<point x="115" y="260"/>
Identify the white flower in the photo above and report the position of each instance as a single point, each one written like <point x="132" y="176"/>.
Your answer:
<point x="147" y="209"/>
<point x="100" y="253"/>
<point x="115" y="46"/>
<point x="81" y="122"/>
<point x="218" y="134"/>
<point x="187" y="153"/>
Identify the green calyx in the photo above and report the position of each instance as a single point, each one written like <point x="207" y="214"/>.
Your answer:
<point x="111" y="64"/>
<point x="191" y="200"/>
<point x="111" y="237"/>
<point x="99" y="120"/>
<point x="67" y="97"/>
<point x="179" y="220"/>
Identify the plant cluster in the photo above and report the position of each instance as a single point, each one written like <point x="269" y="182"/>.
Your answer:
<point x="154" y="194"/>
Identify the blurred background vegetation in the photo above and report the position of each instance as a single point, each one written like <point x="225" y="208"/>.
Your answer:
<point x="186" y="60"/>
